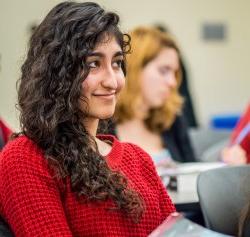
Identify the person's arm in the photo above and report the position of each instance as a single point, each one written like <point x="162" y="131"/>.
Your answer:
<point x="30" y="197"/>
<point x="241" y="134"/>
<point x="245" y="118"/>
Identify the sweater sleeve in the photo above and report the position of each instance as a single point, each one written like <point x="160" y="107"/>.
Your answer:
<point x="29" y="195"/>
<point x="165" y="202"/>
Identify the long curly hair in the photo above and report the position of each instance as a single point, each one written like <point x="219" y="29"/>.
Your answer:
<point x="48" y="99"/>
<point x="146" y="44"/>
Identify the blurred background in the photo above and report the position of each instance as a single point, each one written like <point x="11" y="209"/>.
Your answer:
<point x="212" y="35"/>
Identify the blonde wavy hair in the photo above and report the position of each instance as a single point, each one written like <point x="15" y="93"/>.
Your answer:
<point x="146" y="44"/>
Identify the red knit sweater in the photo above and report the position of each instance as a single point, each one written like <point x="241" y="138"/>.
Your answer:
<point x="36" y="204"/>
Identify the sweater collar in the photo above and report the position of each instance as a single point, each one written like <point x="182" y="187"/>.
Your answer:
<point x="116" y="151"/>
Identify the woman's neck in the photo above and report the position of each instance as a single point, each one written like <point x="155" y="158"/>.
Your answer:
<point x="136" y="124"/>
<point x="91" y="126"/>
<point x="135" y="131"/>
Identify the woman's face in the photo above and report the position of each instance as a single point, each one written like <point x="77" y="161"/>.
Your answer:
<point x="105" y="79"/>
<point x="159" y="77"/>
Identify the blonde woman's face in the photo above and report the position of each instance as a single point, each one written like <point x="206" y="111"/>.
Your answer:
<point x="159" y="77"/>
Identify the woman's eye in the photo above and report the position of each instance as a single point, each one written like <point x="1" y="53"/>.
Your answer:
<point x="118" y="63"/>
<point x="164" y="70"/>
<point x="94" y="64"/>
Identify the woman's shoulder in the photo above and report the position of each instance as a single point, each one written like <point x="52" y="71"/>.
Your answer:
<point x="135" y="148"/>
<point x="20" y="144"/>
<point x="138" y="159"/>
<point x="19" y="151"/>
<point x="137" y="152"/>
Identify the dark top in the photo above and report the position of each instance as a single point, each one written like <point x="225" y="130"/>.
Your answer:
<point x="188" y="108"/>
<point x="175" y="139"/>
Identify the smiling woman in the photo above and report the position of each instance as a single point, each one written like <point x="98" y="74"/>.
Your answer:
<point x="58" y="177"/>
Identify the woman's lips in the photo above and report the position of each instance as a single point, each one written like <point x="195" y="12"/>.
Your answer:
<point x="105" y="95"/>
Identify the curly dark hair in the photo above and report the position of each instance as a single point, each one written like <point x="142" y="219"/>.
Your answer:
<point x="48" y="99"/>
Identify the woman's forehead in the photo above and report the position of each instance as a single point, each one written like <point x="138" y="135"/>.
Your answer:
<point x="108" y="42"/>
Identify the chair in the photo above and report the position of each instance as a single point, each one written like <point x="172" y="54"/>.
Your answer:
<point x="223" y="193"/>
<point x="213" y="153"/>
<point x="203" y="139"/>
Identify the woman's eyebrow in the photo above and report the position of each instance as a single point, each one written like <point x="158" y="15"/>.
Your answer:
<point x="99" y="54"/>
<point x="119" y="53"/>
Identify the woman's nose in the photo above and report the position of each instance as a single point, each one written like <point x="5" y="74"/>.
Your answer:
<point x="172" y="81"/>
<point x="110" y="79"/>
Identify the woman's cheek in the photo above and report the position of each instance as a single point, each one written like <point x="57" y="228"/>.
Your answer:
<point x="120" y="83"/>
<point x="87" y="85"/>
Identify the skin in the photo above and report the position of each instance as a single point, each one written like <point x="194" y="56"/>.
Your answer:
<point x="101" y="87"/>
<point x="234" y="155"/>
<point x="158" y="78"/>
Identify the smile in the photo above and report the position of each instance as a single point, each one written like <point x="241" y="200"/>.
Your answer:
<point x="105" y="96"/>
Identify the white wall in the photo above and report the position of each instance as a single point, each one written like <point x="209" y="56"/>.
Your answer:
<point x="219" y="72"/>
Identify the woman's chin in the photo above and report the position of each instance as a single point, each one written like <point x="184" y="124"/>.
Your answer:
<point x="106" y="114"/>
<point x="157" y="105"/>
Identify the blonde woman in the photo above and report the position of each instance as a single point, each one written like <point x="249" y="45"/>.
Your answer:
<point x="148" y="109"/>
